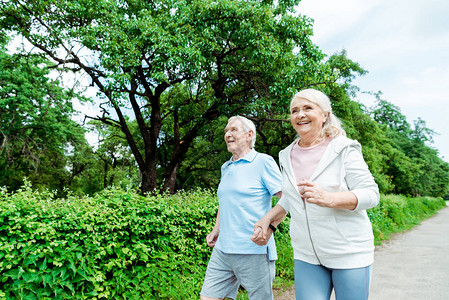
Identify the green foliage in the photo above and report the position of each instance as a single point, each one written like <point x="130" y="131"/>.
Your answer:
<point x="116" y="244"/>
<point x="284" y="265"/>
<point x="111" y="163"/>
<point x="37" y="132"/>
<point x="179" y="65"/>
<point x="414" y="167"/>
<point x="121" y="245"/>
<point x="179" y="69"/>
<point x="396" y="213"/>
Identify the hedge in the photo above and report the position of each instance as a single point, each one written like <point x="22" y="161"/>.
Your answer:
<point x="396" y="213"/>
<point x="120" y="245"/>
<point x="115" y="245"/>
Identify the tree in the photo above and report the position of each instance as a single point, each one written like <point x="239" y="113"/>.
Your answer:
<point x="414" y="167"/>
<point x="36" y="128"/>
<point x="386" y="113"/>
<point x="112" y="163"/>
<point x="274" y="130"/>
<point x="179" y="65"/>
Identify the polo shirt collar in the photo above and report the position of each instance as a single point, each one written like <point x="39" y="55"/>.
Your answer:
<point x="248" y="157"/>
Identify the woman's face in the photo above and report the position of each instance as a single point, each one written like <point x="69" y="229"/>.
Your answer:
<point x="306" y="117"/>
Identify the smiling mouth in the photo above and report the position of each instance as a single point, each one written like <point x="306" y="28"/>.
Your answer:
<point x="302" y="123"/>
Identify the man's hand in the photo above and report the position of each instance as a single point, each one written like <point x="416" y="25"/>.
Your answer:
<point x="212" y="237"/>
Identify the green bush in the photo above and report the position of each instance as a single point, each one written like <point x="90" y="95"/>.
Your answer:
<point x="120" y="245"/>
<point x="396" y="213"/>
<point x="116" y="244"/>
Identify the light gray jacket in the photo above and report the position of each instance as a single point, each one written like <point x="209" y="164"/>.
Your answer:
<point x="335" y="238"/>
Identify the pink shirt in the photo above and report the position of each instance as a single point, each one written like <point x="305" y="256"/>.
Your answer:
<point x="305" y="160"/>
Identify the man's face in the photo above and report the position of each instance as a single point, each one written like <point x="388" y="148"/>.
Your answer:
<point x="237" y="140"/>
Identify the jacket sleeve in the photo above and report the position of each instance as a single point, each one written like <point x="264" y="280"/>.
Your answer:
<point x="284" y="200"/>
<point x="359" y="179"/>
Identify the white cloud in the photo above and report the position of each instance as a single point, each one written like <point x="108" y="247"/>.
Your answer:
<point x="333" y="17"/>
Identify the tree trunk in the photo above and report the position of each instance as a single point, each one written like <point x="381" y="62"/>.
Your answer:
<point x="170" y="181"/>
<point x="149" y="176"/>
<point x="105" y="176"/>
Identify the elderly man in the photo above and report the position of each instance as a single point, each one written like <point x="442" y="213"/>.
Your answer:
<point x="248" y="181"/>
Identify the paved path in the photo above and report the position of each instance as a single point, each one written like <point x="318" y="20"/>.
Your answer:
<point x="413" y="265"/>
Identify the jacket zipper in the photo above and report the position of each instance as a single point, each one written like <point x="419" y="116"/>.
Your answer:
<point x="310" y="234"/>
<point x="305" y="210"/>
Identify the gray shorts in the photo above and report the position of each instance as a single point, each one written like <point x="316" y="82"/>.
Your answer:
<point x="226" y="272"/>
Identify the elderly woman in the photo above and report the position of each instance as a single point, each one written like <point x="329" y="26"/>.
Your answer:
<point x="327" y="188"/>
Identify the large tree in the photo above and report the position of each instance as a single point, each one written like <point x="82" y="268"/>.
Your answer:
<point x="178" y="65"/>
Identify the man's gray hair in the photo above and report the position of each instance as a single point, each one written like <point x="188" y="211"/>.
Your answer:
<point x="248" y="125"/>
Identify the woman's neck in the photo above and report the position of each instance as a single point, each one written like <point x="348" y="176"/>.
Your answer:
<point x="310" y="141"/>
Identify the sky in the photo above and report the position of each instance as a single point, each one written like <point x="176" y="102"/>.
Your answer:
<point x="404" y="45"/>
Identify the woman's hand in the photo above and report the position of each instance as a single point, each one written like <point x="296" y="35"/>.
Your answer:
<point x="313" y="193"/>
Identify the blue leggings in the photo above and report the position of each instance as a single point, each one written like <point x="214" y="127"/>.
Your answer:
<point x="316" y="282"/>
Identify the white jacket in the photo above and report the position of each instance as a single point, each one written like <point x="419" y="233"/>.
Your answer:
<point x="335" y="238"/>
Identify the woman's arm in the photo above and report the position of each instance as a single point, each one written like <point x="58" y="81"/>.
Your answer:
<point x="363" y="191"/>
<point x="359" y="180"/>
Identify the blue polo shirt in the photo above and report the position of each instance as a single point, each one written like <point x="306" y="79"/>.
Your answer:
<point x="244" y="196"/>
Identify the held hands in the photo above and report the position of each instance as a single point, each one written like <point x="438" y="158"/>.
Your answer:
<point x="212" y="237"/>
<point x="313" y="193"/>
<point x="261" y="234"/>
<point x="262" y="230"/>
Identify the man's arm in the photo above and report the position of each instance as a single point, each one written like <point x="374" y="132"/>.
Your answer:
<point x="212" y="237"/>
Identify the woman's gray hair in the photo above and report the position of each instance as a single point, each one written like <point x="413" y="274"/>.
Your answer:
<point x="248" y="125"/>
<point x="332" y="126"/>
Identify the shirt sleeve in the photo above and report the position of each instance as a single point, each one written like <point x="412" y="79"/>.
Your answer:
<point x="271" y="176"/>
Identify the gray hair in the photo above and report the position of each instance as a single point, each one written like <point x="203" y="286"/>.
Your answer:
<point x="332" y="126"/>
<point x="248" y="126"/>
